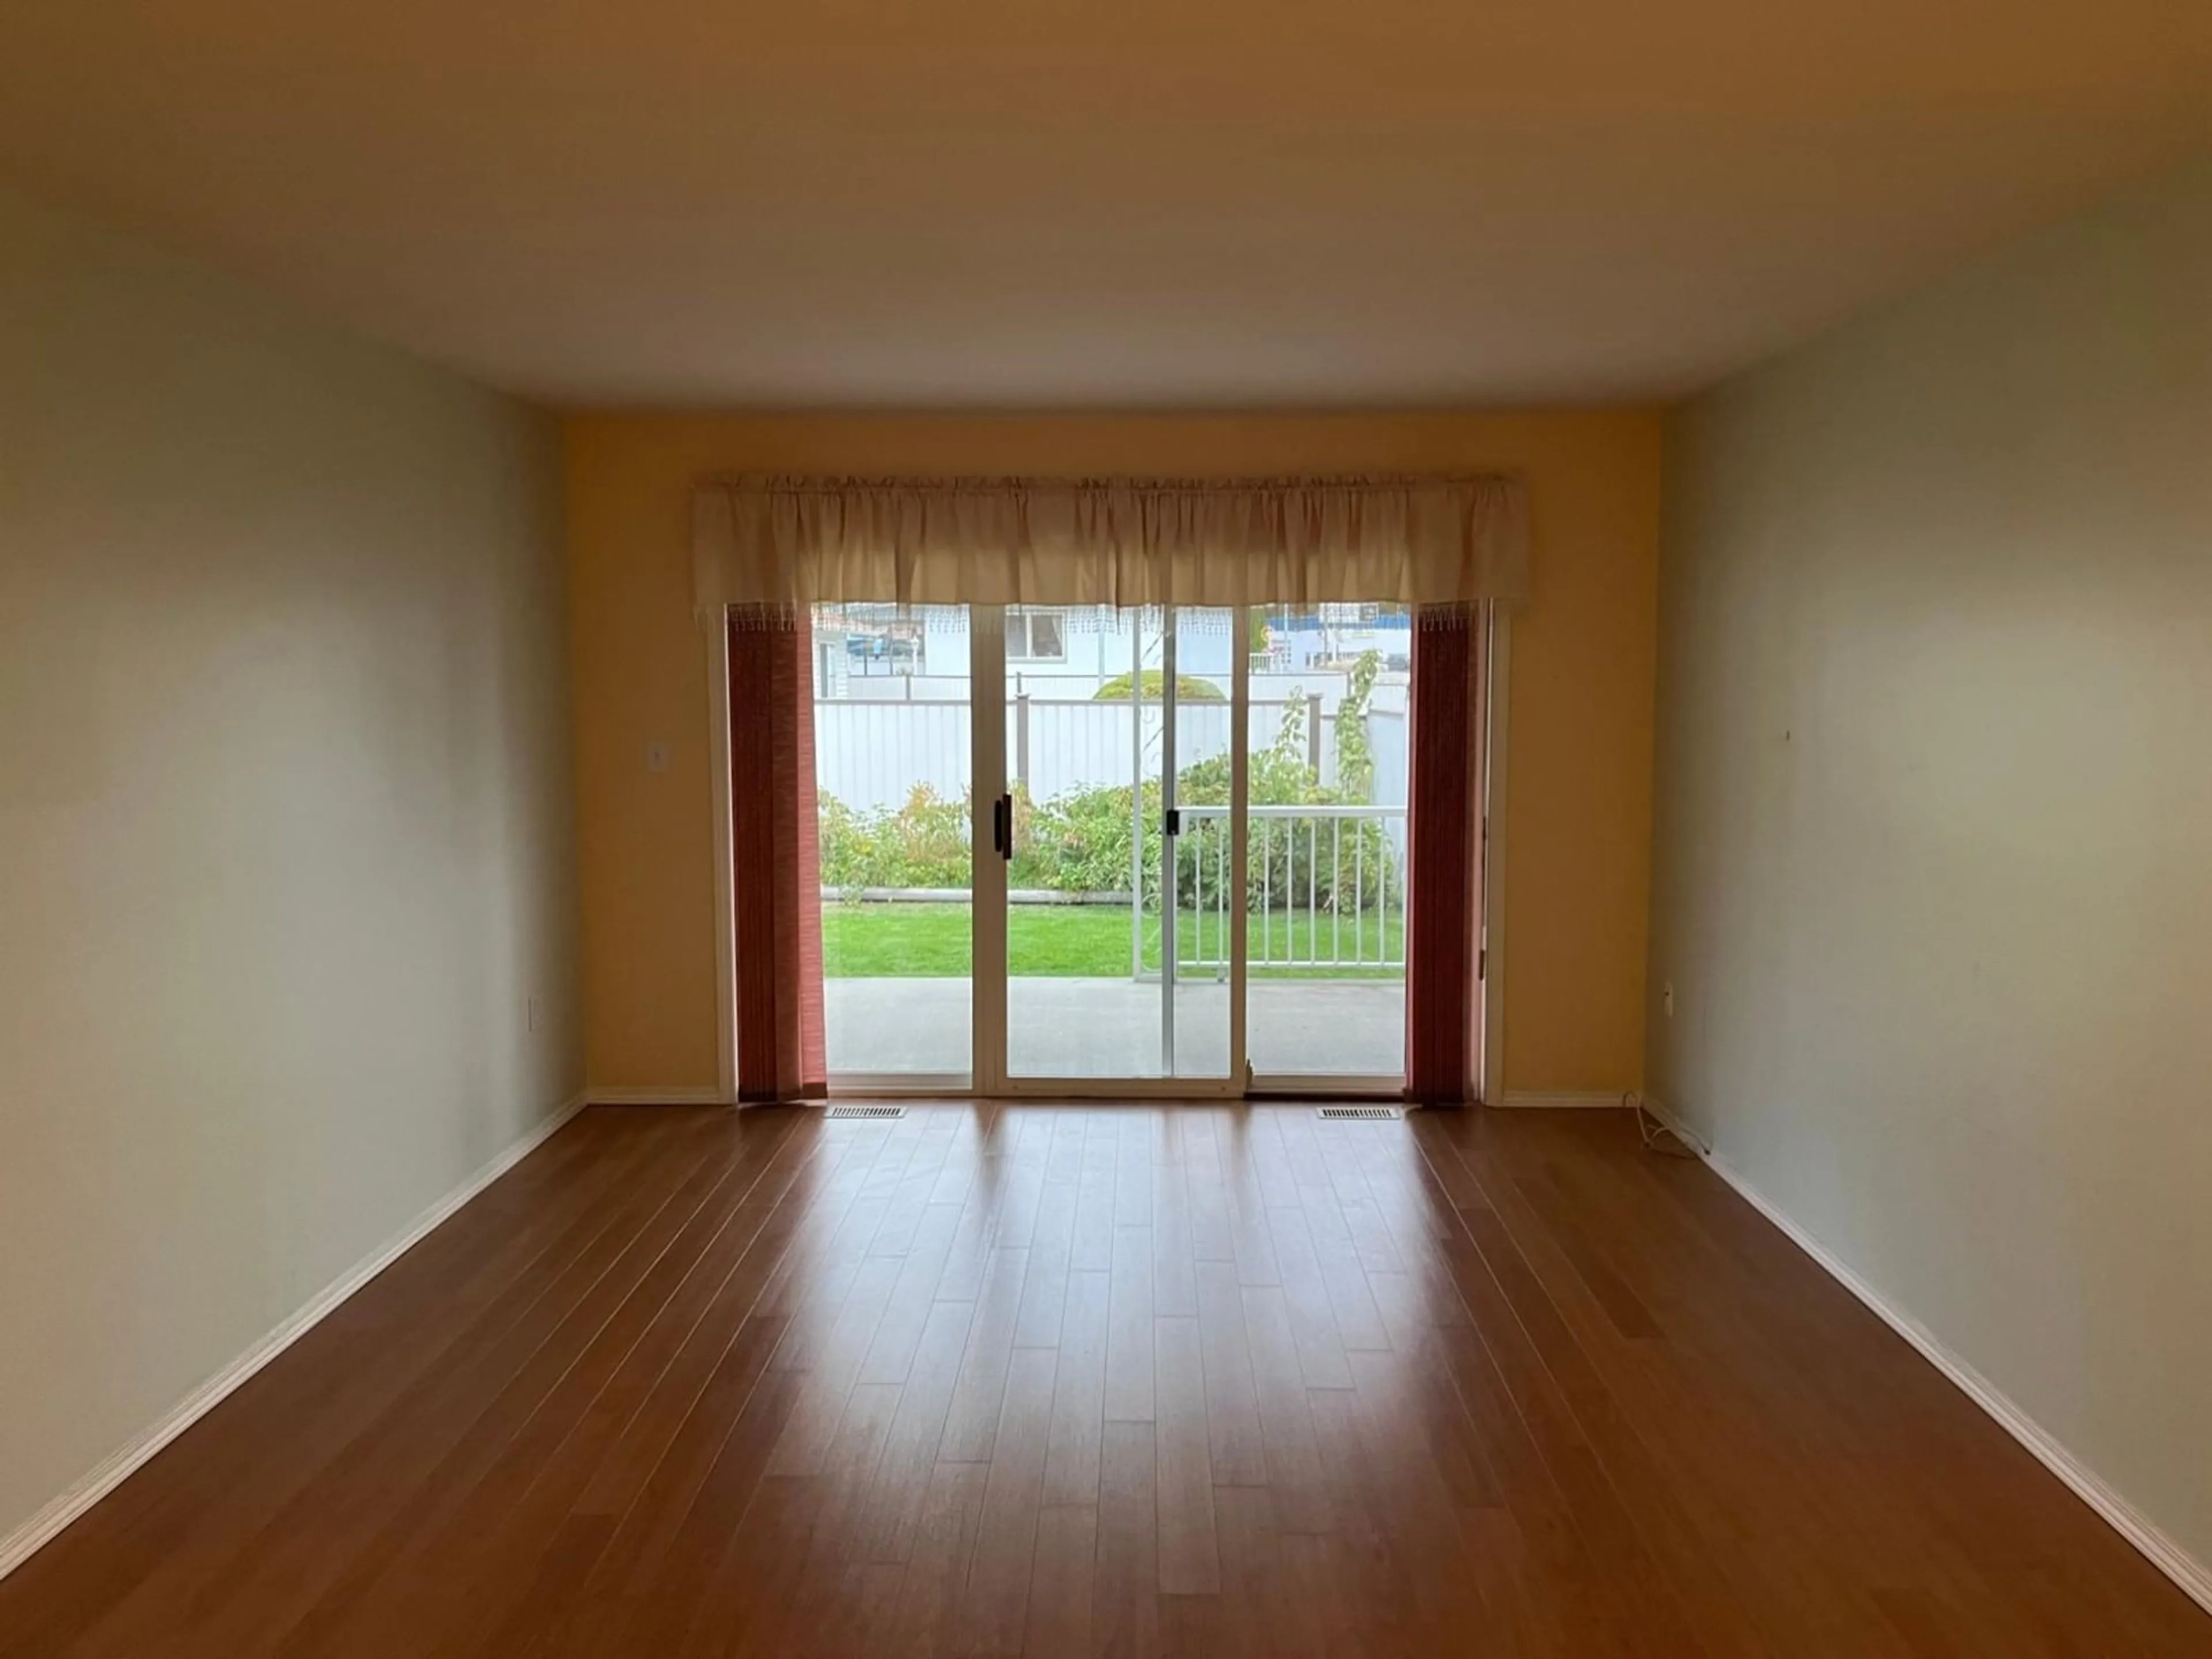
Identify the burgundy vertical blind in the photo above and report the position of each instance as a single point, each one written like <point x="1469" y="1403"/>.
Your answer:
<point x="777" y="865"/>
<point x="1444" y="849"/>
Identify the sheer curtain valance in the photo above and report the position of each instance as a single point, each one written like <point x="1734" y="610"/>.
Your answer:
<point x="781" y="543"/>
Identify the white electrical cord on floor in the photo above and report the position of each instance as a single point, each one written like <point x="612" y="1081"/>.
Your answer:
<point x="1659" y="1136"/>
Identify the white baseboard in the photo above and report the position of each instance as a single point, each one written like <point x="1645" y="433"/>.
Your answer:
<point x="1557" y="1099"/>
<point x="688" y="1094"/>
<point x="2168" y="1557"/>
<point x="18" y="1546"/>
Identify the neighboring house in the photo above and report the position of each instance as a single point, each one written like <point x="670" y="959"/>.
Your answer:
<point x="1337" y="635"/>
<point x="869" y="646"/>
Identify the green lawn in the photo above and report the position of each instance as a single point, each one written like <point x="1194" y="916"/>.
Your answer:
<point x="933" y="941"/>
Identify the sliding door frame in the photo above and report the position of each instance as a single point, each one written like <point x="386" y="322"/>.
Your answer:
<point x="1487" y="1084"/>
<point x="726" y="859"/>
<point x="987" y="738"/>
<point x="1488" y="1009"/>
<point x="1232" y="1083"/>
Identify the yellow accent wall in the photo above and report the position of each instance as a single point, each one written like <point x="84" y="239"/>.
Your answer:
<point x="1579" y="784"/>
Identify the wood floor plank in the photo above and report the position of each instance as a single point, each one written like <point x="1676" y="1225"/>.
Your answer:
<point x="893" y="1504"/>
<point x="1306" y="1293"/>
<point x="1174" y="1259"/>
<point x="1251" y="1242"/>
<point x="1503" y="1296"/>
<point x="1125" y="1594"/>
<point x="644" y="1532"/>
<point x="1363" y="1550"/>
<point x="1129" y="1390"/>
<point x="506" y="1520"/>
<point x="961" y="1279"/>
<point x="1236" y="1450"/>
<point x="1091" y="1248"/>
<point x="1286" y="1432"/>
<point x="652" y="1331"/>
<point x="692" y="1404"/>
<point x="836" y="1370"/>
<point x="649" y="1605"/>
<point x="916" y="1189"/>
<point x="1258" y="1615"/>
<point x="914" y="1293"/>
<point x="934" y="1580"/>
<point x="1206" y="1187"/>
<point x="1190" y="1563"/>
<point x="994" y="1606"/>
<point x="791" y="1607"/>
<point x="1052" y="1248"/>
<point x="1364" y="1223"/>
<point x="1060" y="1581"/>
<point x="971" y="1425"/>
<point x="1423" y="1524"/>
<point x="1132" y="1173"/>
<point x="1144" y="1380"/>
<point x="1079" y="1404"/>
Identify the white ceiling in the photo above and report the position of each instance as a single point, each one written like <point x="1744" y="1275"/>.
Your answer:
<point x="1135" y="203"/>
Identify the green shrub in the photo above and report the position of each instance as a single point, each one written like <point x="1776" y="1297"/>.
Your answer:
<point x="1189" y="688"/>
<point x="1079" y="842"/>
<point x="922" y="844"/>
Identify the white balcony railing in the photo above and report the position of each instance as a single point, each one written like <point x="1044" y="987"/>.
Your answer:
<point x="1325" y="888"/>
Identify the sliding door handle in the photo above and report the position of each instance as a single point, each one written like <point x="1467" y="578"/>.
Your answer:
<point x="1002" y="827"/>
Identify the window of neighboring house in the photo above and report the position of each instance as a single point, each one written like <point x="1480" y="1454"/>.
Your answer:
<point x="1036" y="635"/>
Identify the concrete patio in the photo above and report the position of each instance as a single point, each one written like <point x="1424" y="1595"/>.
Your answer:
<point x="1076" y="1027"/>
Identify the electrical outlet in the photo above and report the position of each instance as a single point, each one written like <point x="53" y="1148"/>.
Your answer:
<point x="1666" y="999"/>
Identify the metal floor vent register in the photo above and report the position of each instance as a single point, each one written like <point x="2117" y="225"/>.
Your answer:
<point x="867" y="1111"/>
<point x="1363" y="1114"/>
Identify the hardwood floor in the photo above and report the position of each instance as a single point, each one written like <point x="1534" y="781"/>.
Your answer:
<point x="1056" y="1380"/>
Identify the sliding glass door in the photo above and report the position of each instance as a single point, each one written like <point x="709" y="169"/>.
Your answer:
<point x="1057" y="841"/>
<point x="1121" y="744"/>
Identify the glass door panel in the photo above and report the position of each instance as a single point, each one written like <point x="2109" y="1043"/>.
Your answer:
<point x="1083" y="746"/>
<point x="1328" y="773"/>
<point x="893" y="777"/>
<point x="1197" y="778"/>
<point x="1106" y="969"/>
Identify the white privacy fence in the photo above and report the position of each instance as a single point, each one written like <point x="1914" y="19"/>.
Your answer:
<point x="872" y="755"/>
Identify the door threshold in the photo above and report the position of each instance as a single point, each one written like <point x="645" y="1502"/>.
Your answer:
<point x="1166" y="1091"/>
<point x="1306" y="1096"/>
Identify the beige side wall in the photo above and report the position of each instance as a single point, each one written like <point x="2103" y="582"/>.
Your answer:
<point x="286" y="821"/>
<point x="1933" y="878"/>
<point x="1579" y="800"/>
